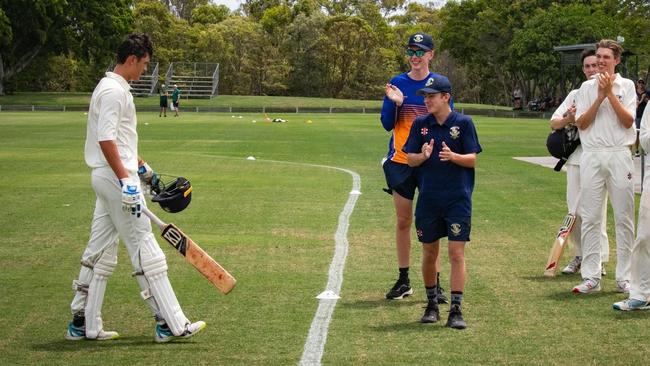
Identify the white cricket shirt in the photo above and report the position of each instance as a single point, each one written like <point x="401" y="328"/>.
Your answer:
<point x="112" y="117"/>
<point x="606" y="131"/>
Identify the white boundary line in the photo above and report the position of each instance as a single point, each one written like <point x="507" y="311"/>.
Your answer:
<point x="315" y="344"/>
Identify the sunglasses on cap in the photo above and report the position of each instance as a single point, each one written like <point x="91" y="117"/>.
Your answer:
<point x="418" y="53"/>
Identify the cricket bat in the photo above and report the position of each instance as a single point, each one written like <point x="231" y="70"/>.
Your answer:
<point x="193" y="253"/>
<point x="559" y="244"/>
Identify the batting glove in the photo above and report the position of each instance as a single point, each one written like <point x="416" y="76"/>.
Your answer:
<point x="149" y="179"/>
<point x="131" y="198"/>
<point x="145" y="173"/>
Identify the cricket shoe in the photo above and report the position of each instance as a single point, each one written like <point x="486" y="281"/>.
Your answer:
<point x="623" y="286"/>
<point x="78" y="333"/>
<point x="442" y="298"/>
<point x="573" y="266"/>
<point x="431" y="313"/>
<point x="399" y="291"/>
<point x="164" y="334"/>
<point x="631" y="304"/>
<point x="587" y="286"/>
<point x="455" y="319"/>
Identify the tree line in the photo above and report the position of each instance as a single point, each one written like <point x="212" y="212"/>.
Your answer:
<point x="319" y="48"/>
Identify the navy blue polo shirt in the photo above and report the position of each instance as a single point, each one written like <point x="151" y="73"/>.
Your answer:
<point x="444" y="181"/>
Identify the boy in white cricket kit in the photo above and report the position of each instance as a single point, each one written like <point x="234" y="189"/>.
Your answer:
<point x="640" y="280"/>
<point x="565" y="115"/>
<point x="605" y="112"/>
<point x="111" y="152"/>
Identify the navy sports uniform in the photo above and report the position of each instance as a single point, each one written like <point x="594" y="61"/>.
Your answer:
<point x="399" y="176"/>
<point x="444" y="205"/>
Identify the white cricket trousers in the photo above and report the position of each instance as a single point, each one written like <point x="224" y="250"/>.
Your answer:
<point x="640" y="280"/>
<point x="606" y="171"/>
<point x="572" y="200"/>
<point x="110" y="222"/>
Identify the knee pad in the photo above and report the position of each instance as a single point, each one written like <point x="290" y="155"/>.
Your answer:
<point x="102" y="270"/>
<point x="154" y="267"/>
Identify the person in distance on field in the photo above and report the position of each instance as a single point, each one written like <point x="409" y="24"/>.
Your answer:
<point x="401" y="105"/>
<point x="162" y="90"/>
<point x="605" y="112"/>
<point x="111" y="152"/>
<point x="176" y="96"/>
<point x="564" y="116"/>
<point x="444" y="145"/>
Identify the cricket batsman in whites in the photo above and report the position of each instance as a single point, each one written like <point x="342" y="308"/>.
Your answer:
<point x="111" y="152"/>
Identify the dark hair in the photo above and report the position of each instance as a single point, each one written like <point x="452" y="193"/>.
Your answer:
<point x="137" y="44"/>
<point x="612" y="45"/>
<point x="586" y="53"/>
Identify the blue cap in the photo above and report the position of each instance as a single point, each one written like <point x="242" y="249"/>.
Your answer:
<point x="422" y="40"/>
<point x="437" y="84"/>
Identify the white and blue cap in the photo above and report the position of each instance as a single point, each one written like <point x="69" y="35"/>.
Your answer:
<point x="421" y="40"/>
<point x="435" y="84"/>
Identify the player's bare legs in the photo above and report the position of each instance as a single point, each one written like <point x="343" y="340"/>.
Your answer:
<point x="430" y="262"/>
<point x="457" y="259"/>
<point x="404" y="214"/>
<point x="404" y="219"/>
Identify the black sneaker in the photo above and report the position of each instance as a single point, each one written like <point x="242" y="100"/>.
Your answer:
<point x="442" y="298"/>
<point x="455" y="319"/>
<point x="431" y="313"/>
<point x="399" y="291"/>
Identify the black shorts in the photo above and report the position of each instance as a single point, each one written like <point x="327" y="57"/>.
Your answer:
<point x="163" y="101"/>
<point x="400" y="178"/>
<point x="430" y="229"/>
<point x="175" y="104"/>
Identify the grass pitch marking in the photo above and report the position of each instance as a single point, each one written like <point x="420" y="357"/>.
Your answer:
<point x="317" y="337"/>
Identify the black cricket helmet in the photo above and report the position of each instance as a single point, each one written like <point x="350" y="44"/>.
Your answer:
<point x="174" y="196"/>
<point x="555" y="143"/>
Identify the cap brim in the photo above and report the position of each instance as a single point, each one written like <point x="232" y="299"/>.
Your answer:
<point x="425" y="91"/>
<point x="420" y="45"/>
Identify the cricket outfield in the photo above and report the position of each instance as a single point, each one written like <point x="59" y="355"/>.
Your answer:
<point x="272" y="222"/>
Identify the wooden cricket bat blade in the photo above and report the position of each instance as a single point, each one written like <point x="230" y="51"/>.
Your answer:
<point x="559" y="244"/>
<point x="199" y="259"/>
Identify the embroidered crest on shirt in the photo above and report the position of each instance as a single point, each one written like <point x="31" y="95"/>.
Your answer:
<point x="424" y="131"/>
<point x="420" y="233"/>
<point x="454" y="132"/>
<point x="455" y="229"/>
<point x="629" y="176"/>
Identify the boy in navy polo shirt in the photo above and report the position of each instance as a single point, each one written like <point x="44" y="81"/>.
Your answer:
<point x="443" y="145"/>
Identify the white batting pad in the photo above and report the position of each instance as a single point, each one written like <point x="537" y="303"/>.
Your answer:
<point x="154" y="267"/>
<point x="101" y="272"/>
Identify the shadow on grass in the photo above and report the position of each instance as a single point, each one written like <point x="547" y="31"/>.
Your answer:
<point x="64" y="345"/>
<point x="381" y="303"/>
<point x="411" y="327"/>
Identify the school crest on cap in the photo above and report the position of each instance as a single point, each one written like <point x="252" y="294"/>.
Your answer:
<point x="430" y="82"/>
<point x="454" y="132"/>
<point x="455" y="229"/>
<point x="418" y="38"/>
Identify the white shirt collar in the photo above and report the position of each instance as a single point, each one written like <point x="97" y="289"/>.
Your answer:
<point x="119" y="79"/>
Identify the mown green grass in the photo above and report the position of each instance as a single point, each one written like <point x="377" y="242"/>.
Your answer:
<point x="235" y="101"/>
<point x="272" y="225"/>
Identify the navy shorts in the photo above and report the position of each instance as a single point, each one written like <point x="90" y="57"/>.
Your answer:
<point x="163" y="102"/>
<point x="400" y="178"/>
<point x="450" y="220"/>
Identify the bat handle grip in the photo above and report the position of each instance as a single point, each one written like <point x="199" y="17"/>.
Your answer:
<point x="161" y="225"/>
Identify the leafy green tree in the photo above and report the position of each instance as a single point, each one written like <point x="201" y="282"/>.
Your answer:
<point x="91" y="30"/>
<point x="209" y="14"/>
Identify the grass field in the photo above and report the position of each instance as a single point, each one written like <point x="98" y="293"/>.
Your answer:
<point x="271" y="222"/>
<point x="235" y="101"/>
